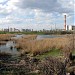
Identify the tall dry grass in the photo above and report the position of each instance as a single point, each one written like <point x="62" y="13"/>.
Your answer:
<point x="28" y="44"/>
<point x="6" y="37"/>
<point x="23" y="42"/>
<point x="71" y="47"/>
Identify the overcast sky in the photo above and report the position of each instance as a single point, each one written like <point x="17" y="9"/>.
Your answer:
<point x="36" y="14"/>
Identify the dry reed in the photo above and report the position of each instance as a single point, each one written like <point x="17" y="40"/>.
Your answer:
<point x="28" y="44"/>
<point x="6" y="37"/>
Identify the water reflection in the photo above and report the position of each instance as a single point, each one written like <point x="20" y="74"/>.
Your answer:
<point x="18" y="36"/>
<point x="47" y="36"/>
<point x="9" y="47"/>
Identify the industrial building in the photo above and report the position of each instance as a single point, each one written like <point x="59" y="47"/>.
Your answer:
<point x="70" y="27"/>
<point x="64" y="22"/>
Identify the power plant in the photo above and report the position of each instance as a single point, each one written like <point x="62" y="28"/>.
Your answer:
<point x="68" y="27"/>
<point x="65" y="27"/>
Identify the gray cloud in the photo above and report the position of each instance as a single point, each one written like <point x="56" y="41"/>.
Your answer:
<point x="44" y="5"/>
<point x="4" y="13"/>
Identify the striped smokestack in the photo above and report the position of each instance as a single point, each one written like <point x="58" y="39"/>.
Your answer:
<point x="64" y="22"/>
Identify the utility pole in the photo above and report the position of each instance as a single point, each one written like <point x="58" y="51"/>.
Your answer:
<point x="51" y="27"/>
<point x="55" y="26"/>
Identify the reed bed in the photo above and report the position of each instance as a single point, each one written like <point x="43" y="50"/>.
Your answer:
<point x="21" y="43"/>
<point x="6" y="37"/>
<point x="27" y="44"/>
<point x="30" y="37"/>
<point x="2" y="42"/>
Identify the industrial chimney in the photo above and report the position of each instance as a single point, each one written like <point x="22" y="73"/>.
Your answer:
<point x="64" y="22"/>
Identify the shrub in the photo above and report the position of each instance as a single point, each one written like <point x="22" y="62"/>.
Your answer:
<point x="52" y="66"/>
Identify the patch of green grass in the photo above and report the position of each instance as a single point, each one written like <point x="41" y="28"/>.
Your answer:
<point x="54" y="53"/>
<point x="38" y="32"/>
<point x="73" y="52"/>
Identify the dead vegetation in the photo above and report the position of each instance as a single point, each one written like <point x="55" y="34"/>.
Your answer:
<point x="52" y="66"/>
<point x="29" y="44"/>
<point x="2" y="42"/>
<point x="6" y="37"/>
<point x="48" y="66"/>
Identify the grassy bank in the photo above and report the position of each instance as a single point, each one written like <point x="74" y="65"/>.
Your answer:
<point x="54" y="53"/>
<point x="34" y="32"/>
<point x="73" y="52"/>
<point x="39" y="32"/>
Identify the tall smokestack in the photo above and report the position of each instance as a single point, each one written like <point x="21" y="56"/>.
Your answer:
<point x="65" y="22"/>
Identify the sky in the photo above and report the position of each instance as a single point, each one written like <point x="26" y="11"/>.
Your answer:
<point x="36" y="14"/>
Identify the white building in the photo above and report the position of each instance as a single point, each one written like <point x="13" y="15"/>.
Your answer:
<point x="70" y="27"/>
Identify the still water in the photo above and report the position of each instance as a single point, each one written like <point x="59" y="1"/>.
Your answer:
<point x="47" y="36"/>
<point x="9" y="47"/>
